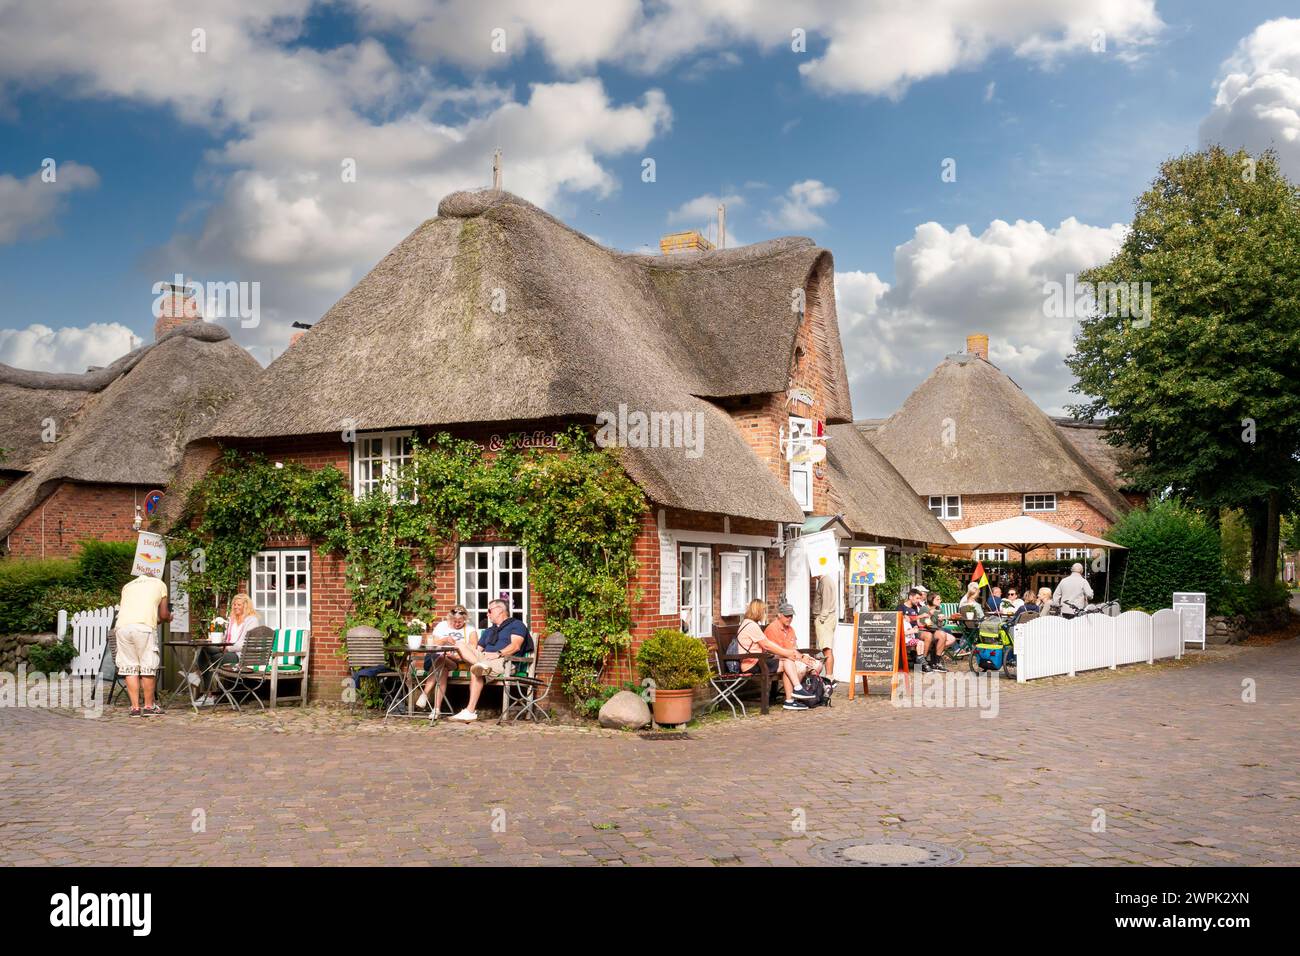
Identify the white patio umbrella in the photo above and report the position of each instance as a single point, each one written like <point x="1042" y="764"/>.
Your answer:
<point x="1025" y="533"/>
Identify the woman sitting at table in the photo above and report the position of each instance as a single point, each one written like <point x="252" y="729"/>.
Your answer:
<point x="242" y="620"/>
<point x="931" y="619"/>
<point x="447" y="633"/>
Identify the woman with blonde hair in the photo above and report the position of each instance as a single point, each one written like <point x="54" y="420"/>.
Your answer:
<point x="242" y="619"/>
<point x="752" y="637"/>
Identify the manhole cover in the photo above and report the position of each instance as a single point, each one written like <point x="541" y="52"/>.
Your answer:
<point x="665" y="735"/>
<point x="886" y="851"/>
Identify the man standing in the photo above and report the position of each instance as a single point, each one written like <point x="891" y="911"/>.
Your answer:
<point x="489" y="657"/>
<point x="1073" y="593"/>
<point x="825" y="612"/>
<point x="143" y="605"/>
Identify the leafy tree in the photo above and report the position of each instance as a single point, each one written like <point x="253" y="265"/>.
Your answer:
<point x="1206" y="388"/>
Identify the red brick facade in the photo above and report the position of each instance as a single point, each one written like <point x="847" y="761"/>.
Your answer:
<point x="1072" y="512"/>
<point x="74" y="512"/>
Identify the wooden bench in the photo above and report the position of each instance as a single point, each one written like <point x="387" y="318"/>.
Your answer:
<point x="728" y="685"/>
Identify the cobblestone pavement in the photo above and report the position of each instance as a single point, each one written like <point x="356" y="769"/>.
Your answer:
<point x="1184" y="771"/>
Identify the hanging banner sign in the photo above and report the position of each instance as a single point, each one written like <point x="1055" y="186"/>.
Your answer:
<point x="150" y="555"/>
<point x="822" y="549"/>
<point x="866" y="566"/>
<point x="179" y="598"/>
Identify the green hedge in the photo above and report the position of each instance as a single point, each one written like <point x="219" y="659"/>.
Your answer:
<point x="1170" y="548"/>
<point x="23" y="583"/>
<point x="105" y="565"/>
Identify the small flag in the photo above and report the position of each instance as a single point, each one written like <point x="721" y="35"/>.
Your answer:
<point x="979" y="576"/>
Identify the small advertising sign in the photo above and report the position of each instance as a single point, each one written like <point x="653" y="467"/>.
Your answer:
<point x="866" y="566"/>
<point x="150" y="555"/>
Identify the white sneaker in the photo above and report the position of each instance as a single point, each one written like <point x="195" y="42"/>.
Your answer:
<point x="465" y="715"/>
<point x="422" y="701"/>
<point x="204" y="701"/>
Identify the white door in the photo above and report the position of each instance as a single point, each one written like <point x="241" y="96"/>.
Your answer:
<point x="797" y="585"/>
<point x="695" y="571"/>
<point x="280" y="586"/>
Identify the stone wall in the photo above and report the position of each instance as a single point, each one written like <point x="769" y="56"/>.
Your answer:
<point x="1236" y="628"/>
<point x="14" y="648"/>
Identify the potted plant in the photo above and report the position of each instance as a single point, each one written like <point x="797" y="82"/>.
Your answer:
<point x="676" y="664"/>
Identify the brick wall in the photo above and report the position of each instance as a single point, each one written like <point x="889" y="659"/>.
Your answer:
<point x="76" y="511"/>
<point x="980" y="509"/>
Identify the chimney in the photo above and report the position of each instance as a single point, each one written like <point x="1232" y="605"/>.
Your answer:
<point x="688" y="241"/>
<point x="176" y="306"/>
<point x="978" y="344"/>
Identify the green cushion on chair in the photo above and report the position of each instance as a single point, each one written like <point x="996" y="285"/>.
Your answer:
<point x="290" y="640"/>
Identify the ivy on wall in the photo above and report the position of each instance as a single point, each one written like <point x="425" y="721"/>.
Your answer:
<point x="574" y="510"/>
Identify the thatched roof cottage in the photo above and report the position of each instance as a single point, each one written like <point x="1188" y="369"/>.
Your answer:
<point x="495" y="318"/>
<point x="975" y="448"/>
<point x="81" y="452"/>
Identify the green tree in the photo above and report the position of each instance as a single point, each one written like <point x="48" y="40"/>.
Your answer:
<point x="1206" y="387"/>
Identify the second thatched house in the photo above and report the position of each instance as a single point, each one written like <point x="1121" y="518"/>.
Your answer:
<point x="975" y="448"/>
<point x="494" y="318"/>
<point x="80" y="454"/>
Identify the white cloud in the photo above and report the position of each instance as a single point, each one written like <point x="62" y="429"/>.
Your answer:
<point x="1257" y="104"/>
<point x="796" y="210"/>
<point x="952" y="283"/>
<point x="704" y="208"/>
<point x="29" y="207"/>
<point x="70" y="349"/>
<point x="877" y="47"/>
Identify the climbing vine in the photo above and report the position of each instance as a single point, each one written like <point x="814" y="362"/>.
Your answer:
<point x="574" y="510"/>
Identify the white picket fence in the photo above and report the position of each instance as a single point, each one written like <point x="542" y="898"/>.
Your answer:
<point x="89" y="636"/>
<point x="1052" y="645"/>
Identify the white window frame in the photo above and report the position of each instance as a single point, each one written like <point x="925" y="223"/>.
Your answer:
<point x="1073" y="554"/>
<point x="991" y="554"/>
<point x="1024" y="502"/>
<point x="801" y="473"/>
<point x="697" y="613"/>
<point x="495" y="559"/>
<point x="391" y="452"/>
<point x="271" y="613"/>
<point x="748" y="566"/>
<point x="948" y="507"/>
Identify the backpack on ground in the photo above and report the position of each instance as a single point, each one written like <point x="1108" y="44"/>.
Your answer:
<point x="818" y="694"/>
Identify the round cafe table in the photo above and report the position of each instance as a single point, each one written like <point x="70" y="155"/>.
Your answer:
<point x="196" y="675"/>
<point x="403" y="706"/>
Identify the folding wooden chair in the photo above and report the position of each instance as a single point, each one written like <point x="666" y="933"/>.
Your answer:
<point x="251" y="672"/>
<point x="366" y="654"/>
<point x="519" y="691"/>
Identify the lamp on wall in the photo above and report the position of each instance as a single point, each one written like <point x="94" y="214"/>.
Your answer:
<point x="138" y="521"/>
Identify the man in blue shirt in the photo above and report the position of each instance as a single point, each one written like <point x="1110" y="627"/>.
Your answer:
<point x="994" y="603"/>
<point x="505" y="637"/>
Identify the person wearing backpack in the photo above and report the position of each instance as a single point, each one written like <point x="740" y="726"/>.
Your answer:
<point x="752" y="638"/>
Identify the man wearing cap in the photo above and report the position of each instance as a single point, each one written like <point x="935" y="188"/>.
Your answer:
<point x="794" y="666"/>
<point x="1073" y="593"/>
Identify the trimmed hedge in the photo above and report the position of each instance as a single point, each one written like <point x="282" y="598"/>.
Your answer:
<point x="22" y="585"/>
<point x="105" y="565"/>
<point x="1170" y="548"/>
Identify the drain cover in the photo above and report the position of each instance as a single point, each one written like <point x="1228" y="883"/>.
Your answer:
<point x="886" y="851"/>
<point x="665" y="735"/>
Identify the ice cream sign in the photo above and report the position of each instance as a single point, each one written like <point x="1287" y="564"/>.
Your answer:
<point x="866" y="565"/>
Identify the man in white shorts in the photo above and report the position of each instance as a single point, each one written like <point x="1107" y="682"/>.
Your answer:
<point x="143" y="605"/>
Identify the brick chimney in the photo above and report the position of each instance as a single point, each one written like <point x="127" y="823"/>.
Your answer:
<point x="978" y="344"/>
<point x="689" y="241"/>
<point x="176" y="306"/>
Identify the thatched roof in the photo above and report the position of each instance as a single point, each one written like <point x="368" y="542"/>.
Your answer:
<point x="577" y="330"/>
<point x="128" y="423"/>
<point x="875" y="500"/>
<point x="1089" y="440"/>
<point x="1004" y="443"/>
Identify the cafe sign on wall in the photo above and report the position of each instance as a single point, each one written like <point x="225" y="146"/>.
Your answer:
<point x="537" y="439"/>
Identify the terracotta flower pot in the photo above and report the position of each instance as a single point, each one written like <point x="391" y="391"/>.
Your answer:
<point x="673" y="706"/>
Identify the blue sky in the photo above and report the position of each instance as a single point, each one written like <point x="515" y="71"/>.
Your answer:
<point x="222" y="163"/>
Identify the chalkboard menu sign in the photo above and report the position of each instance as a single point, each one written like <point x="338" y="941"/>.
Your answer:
<point x="877" y="646"/>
